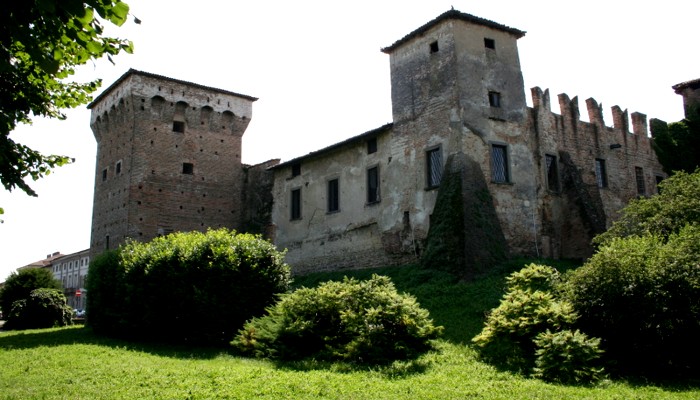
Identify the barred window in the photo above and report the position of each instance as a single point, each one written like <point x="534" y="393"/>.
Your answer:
<point x="499" y="163"/>
<point x="434" y="167"/>
<point x="639" y="175"/>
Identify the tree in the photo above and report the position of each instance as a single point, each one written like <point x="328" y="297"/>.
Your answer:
<point x="677" y="144"/>
<point x="44" y="308"/>
<point x="676" y="205"/>
<point x="18" y="286"/>
<point x="41" y="43"/>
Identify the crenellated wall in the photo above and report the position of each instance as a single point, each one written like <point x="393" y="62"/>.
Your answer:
<point x="584" y="204"/>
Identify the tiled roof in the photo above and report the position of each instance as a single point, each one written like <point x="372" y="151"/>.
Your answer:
<point x="453" y="14"/>
<point x="694" y="84"/>
<point x="332" y="147"/>
<point x="132" y="71"/>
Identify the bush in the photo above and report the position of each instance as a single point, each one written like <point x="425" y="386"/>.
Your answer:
<point x="567" y="357"/>
<point x="510" y="329"/>
<point x="188" y="287"/>
<point x="641" y="295"/>
<point x="44" y="308"/>
<point x="18" y="286"/>
<point x="361" y="321"/>
<point x="676" y="205"/>
<point x="530" y="330"/>
<point x="534" y="277"/>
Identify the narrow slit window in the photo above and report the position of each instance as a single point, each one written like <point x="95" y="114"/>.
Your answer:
<point x="600" y="173"/>
<point x="373" y="185"/>
<point x="552" y="173"/>
<point x="333" y="196"/>
<point x="118" y="167"/>
<point x="296" y="204"/>
<point x="104" y="174"/>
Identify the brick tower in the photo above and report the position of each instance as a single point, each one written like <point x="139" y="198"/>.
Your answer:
<point x="168" y="158"/>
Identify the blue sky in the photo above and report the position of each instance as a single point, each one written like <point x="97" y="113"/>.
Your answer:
<point x="320" y="77"/>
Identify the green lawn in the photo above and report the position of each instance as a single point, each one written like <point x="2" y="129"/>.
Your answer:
<point x="73" y="363"/>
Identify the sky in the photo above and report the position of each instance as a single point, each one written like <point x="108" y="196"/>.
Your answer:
<point x="319" y="74"/>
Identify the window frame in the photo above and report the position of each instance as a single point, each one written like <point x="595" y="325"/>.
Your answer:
<point x="430" y="166"/>
<point x="505" y="164"/>
<point x="295" y="210"/>
<point x="373" y="194"/>
<point x="372" y="145"/>
<point x="639" y="179"/>
<point x="601" y="173"/>
<point x="333" y="195"/>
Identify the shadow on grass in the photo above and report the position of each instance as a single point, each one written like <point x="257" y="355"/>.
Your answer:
<point x="79" y="334"/>
<point x="391" y="370"/>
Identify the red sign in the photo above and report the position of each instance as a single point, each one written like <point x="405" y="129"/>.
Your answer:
<point x="78" y="293"/>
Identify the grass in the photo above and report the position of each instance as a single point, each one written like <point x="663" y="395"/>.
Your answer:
<point x="74" y="363"/>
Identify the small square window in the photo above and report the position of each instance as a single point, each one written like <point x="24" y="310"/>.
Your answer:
<point x="495" y="99"/>
<point x="188" y="168"/>
<point x="372" y="145"/>
<point x="489" y="43"/>
<point x="434" y="48"/>
<point x="296" y="169"/>
<point x="179" y="126"/>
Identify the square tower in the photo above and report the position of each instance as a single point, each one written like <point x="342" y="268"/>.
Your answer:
<point x="168" y="158"/>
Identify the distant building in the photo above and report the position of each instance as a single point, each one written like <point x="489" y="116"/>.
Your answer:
<point x="69" y="269"/>
<point x="529" y="181"/>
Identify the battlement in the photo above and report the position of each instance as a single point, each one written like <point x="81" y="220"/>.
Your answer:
<point x="617" y="135"/>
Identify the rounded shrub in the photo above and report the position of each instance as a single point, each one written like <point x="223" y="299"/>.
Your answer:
<point x="19" y="285"/>
<point x="43" y="308"/>
<point x="567" y="357"/>
<point x="360" y="321"/>
<point x="190" y="287"/>
<point x="641" y="295"/>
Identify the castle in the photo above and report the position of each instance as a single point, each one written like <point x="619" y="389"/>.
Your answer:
<point x="528" y="181"/>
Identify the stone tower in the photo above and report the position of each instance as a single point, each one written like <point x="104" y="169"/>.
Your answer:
<point x="168" y="158"/>
<point x="461" y="61"/>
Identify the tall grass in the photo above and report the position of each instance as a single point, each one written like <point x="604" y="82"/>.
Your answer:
<point x="73" y="363"/>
